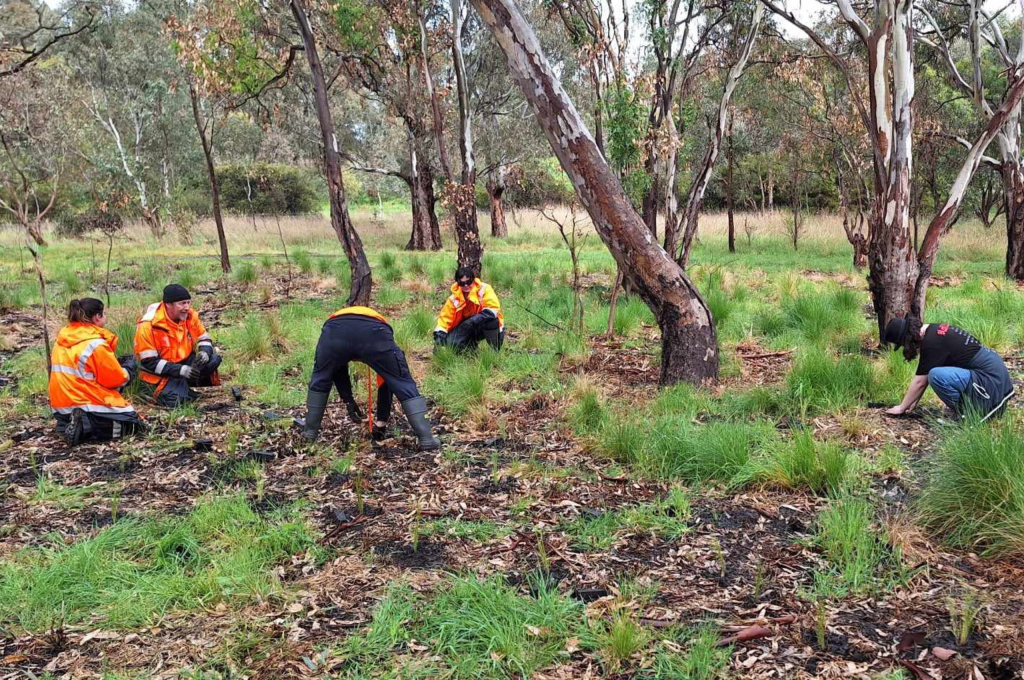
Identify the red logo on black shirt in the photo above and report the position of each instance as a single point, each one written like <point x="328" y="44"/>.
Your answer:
<point x="943" y="327"/>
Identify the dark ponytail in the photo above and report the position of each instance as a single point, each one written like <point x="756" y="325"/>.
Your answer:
<point x="84" y="310"/>
<point x="912" y="341"/>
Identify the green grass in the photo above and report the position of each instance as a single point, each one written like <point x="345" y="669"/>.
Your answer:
<point x="824" y="468"/>
<point x="974" y="494"/>
<point x="136" y="571"/>
<point x="666" y="518"/>
<point x="245" y="274"/>
<point x="703" y="658"/>
<point x="474" y="628"/>
<point x="859" y="556"/>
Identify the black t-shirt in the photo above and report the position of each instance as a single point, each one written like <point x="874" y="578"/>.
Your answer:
<point x="945" y="345"/>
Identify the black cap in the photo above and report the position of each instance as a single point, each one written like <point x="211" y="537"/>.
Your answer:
<point x="175" y="293"/>
<point x="895" y="332"/>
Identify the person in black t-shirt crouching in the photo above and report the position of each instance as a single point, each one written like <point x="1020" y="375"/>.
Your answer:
<point x="965" y="375"/>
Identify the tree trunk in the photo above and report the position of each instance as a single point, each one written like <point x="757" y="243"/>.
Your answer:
<point x="700" y="183"/>
<point x="729" y="189"/>
<point x="211" y="171"/>
<point x="496" y="192"/>
<point x="1013" y="197"/>
<point x="362" y="281"/>
<point x="652" y="198"/>
<point x="689" y="343"/>
<point x="426" y="232"/>
<point x="471" y="249"/>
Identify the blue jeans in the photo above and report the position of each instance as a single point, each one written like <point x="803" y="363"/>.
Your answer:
<point x="949" y="384"/>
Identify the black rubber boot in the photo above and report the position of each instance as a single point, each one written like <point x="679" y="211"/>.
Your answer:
<point x="316" y="404"/>
<point x="75" y="431"/>
<point x="416" y="410"/>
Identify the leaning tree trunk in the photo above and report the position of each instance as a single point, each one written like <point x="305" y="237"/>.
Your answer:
<point x="1013" y="197"/>
<point x="362" y="282"/>
<point x="689" y="344"/>
<point x="496" y="192"/>
<point x="211" y="171"/>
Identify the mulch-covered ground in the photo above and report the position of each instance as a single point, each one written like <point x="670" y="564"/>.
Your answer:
<point x="710" y="573"/>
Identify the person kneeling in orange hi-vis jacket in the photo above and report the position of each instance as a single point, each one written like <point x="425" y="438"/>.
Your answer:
<point x="363" y="334"/>
<point x="470" y="314"/>
<point x="86" y="379"/>
<point x="174" y="350"/>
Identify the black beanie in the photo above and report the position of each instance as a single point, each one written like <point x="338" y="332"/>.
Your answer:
<point x="175" y="293"/>
<point x="895" y="332"/>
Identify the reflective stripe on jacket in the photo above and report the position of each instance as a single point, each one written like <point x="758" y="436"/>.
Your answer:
<point x="85" y="373"/>
<point x="458" y="307"/>
<point x="158" y="337"/>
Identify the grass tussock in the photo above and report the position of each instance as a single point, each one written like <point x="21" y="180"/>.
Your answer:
<point x="136" y="571"/>
<point x="974" y="495"/>
<point x="858" y="553"/>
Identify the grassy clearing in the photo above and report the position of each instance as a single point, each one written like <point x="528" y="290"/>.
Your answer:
<point x="137" y="571"/>
<point x="667" y="518"/>
<point x="974" y="496"/>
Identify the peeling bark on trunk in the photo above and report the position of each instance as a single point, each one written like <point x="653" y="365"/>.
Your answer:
<point x="689" y="343"/>
<point x="1013" y="195"/>
<point x="496" y="192"/>
<point x="211" y="172"/>
<point x="359" y="293"/>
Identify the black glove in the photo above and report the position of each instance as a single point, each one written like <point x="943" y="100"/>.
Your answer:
<point x="128" y="364"/>
<point x="440" y="337"/>
<point x="379" y="432"/>
<point x="353" y="411"/>
<point x="202" y="358"/>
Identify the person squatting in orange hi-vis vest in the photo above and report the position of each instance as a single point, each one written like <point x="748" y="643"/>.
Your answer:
<point x="174" y="350"/>
<point x="86" y="379"/>
<point x="470" y="314"/>
<point x="363" y="334"/>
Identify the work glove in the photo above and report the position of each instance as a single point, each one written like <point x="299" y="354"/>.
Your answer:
<point x="354" y="414"/>
<point x="202" y="358"/>
<point x="379" y="432"/>
<point x="185" y="372"/>
<point x="440" y="337"/>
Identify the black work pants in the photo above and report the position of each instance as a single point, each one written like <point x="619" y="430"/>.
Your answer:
<point x="102" y="427"/>
<point x="351" y="337"/>
<point x="176" y="392"/>
<point x="469" y="333"/>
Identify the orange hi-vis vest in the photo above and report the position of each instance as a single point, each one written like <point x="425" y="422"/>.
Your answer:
<point x="157" y="336"/>
<point x="359" y="311"/>
<point x="459" y="307"/>
<point x="84" y="371"/>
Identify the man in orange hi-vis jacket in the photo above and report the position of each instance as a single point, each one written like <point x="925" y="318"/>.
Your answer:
<point x="174" y="350"/>
<point x="86" y="379"/>
<point x="363" y="334"/>
<point x="470" y="314"/>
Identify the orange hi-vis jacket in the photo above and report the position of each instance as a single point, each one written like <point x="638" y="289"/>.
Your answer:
<point x="361" y="311"/>
<point x="84" y="371"/>
<point x="157" y="337"/>
<point x="459" y="307"/>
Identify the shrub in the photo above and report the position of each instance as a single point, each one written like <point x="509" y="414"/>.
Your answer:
<point x="974" y="496"/>
<point x="276" y="189"/>
<point x="818" y="383"/>
<point x="245" y="274"/>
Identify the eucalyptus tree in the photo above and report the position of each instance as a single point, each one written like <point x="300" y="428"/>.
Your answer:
<point x="689" y="343"/>
<point x="898" y="277"/>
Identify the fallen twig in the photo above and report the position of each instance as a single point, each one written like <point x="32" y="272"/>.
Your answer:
<point x="748" y="633"/>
